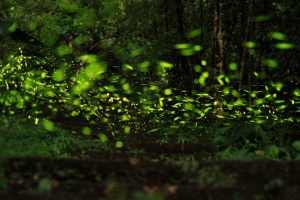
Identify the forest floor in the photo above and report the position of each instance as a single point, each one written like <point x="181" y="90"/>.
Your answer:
<point x="148" y="166"/>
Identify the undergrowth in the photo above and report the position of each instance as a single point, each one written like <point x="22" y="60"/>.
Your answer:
<point x="23" y="136"/>
<point x="246" y="140"/>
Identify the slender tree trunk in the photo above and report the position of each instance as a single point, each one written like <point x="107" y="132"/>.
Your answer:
<point x="218" y="57"/>
<point x="185" y="68"/>
<point x="245" y="38"/>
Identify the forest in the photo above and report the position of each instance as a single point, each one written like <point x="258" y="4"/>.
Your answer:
<point x="149" y="99"/>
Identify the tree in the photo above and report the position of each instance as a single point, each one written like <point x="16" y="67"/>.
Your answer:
<point x="218" y="53"/>
<point x="219" y="56"/>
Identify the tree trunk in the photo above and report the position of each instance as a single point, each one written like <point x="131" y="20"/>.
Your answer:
<point x="184" y="64"/>
<point x="218" y="58"/>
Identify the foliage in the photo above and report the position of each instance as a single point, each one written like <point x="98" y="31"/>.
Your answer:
<point x="247" y="140"/>
<point x="140" y="66"/>
<point x="224" y="69"/>
<point x="28" y="137"/>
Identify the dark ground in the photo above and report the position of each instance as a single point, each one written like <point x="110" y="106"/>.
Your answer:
<point x="121" y="176"/>
<point x="147" y="168"/>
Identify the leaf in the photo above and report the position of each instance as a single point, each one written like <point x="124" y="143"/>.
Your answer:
<point x="296" y="145"/>
<point x="64" y="50"/>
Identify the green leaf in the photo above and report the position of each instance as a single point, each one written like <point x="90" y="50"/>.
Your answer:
<point x="84" y="18"/>
<point x="32" y="26"/>
<point x="272" y="151"/>
<point x="296" y="145"/>
<point x="49" y="35"/>
<point x="136" y="52"/>
<point x="64" y="50"/>
<point x="67" y="6"/>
